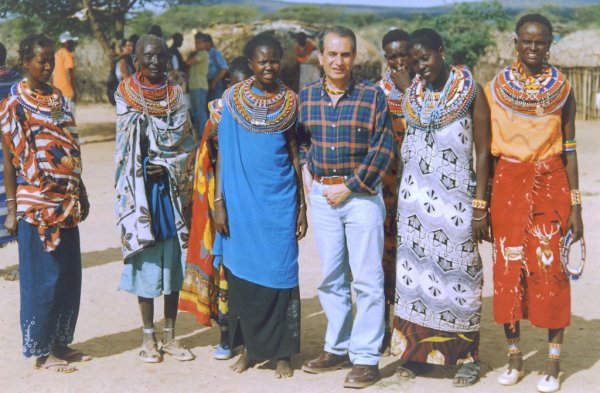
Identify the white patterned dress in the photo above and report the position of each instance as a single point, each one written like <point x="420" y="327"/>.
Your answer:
<point x="438" y="268"/>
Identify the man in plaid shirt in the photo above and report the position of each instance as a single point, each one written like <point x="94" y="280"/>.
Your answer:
<point x="346" y="144"/>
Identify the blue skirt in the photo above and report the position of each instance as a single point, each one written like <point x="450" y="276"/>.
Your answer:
<point x="50" y="284"/>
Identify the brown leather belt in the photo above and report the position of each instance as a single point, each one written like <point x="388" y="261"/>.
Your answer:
<point x="329" y="180"/>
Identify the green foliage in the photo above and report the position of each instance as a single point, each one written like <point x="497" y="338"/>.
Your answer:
<point x="466" y="30"/>
<point x="185" y="18"/>
<point x="359" y="19"/>
<point x="320" y="15"/>
<point x="588" y="16"/>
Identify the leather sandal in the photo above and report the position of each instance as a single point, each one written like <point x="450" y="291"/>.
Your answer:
<point x="149" y="353"/>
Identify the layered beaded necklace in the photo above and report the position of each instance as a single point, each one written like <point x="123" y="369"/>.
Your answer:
<point x="158" y="100"/>
<point x="47" y="105"/>
<point x="531" y="96"/>
<point x="428" y="110"/>
<point x="272" y="113"/>
<point x="393" y="94"/>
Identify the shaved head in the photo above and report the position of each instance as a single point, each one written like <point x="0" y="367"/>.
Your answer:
<point x="149" y="39"/>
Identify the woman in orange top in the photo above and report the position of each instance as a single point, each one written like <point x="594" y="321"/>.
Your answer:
<point x="535" y="199"/>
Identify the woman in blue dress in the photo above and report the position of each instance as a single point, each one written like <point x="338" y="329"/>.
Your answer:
<point x="260" y="212"/>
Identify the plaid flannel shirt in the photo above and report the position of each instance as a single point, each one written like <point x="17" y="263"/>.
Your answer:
<point x="353" y="139"/>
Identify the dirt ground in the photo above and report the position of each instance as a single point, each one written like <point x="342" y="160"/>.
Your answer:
<point x="109" y="326"/>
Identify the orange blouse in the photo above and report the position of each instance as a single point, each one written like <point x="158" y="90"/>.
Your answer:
<point x="527" y="139"/>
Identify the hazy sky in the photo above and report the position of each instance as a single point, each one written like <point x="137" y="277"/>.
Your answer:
<point x="395" y="3"/>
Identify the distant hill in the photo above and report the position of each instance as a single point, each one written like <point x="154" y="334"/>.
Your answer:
<point x="511" y="6"/>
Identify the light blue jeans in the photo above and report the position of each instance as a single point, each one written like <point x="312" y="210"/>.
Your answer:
<point x="199" y="108"/>
<point x="350" y="238"/>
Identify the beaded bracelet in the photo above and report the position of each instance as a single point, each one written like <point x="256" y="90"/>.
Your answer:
<point x="569" y="146"/>
<point x="575" y="197"/>
<point x="218" y="200"/>
<point x="480" y="218"/>
<point x="479" y="204"/>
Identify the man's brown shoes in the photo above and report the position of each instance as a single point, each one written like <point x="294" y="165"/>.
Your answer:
<point x="362" y="376"/>
<point x="326" y="362"/>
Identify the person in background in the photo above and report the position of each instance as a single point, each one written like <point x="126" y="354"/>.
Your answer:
<point x="346" y="147"/>
<point x="260" y="213"/>
<point x="64" y="70"/>
<point x="46" y="200"/>
<point x="205" y="287"/>
<point x="156" y="30"/>
<point x="217" y="70"/>
<point x="536" y="200"/>
<point x="177" y="67"/>
<point x="396" y="79"/>
<point x="124" y="66"/>
<point x="155" y="153"/>
<point x="7" y="79"/>
<point x="307" y="60"/>
<point x="198" y="63"/>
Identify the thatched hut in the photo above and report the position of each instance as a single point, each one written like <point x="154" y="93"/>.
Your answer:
<point x="576" y="54"/>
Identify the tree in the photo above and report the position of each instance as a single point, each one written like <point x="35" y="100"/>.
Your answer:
<point x="105" y="19"/>
<point x="466" y="29"/>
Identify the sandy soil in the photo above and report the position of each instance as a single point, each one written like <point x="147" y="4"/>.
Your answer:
<point x="109" y="325"/>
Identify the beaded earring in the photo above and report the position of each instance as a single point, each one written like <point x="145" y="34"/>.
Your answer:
<point x="547" y="56"/>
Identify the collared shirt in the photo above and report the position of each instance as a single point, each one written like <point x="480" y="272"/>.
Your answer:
<point x="353" y="139"/>
<point x="216" y="63"/>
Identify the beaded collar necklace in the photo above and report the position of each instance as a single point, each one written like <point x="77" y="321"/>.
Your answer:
<point x="429" y="110"/>
<point x="47" y="105"/>
<point x="158" y="100"/>
<point x="530" y="96"/>
<point x="393" y="94"/>
<point x="273" y="113"/>
<point x="330" y="91"/>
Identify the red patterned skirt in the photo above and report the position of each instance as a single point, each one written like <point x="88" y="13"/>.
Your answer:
<point x="530" y="207"/>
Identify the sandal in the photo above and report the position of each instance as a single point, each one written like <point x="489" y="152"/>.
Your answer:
<point x="411" y="370"/>
<point x="467" y="375"/>
<point x="55" y="365"/>
<point x="178" y="352"/>
<point x="70" y="355"/>
<point x="149" y="353"/>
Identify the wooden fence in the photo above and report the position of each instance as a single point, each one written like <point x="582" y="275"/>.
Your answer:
<point x="586" y="86"/>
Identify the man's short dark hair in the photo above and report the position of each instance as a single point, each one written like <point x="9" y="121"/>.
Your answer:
<point x="341" y="31"/>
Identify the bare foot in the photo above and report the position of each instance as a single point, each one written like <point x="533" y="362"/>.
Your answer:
<point x="283" y="368"/>
<point x="242" y="364"/>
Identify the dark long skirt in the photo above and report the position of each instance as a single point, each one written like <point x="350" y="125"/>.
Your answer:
<point x="50" y="284"/>
<point x="265" y="320"/>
